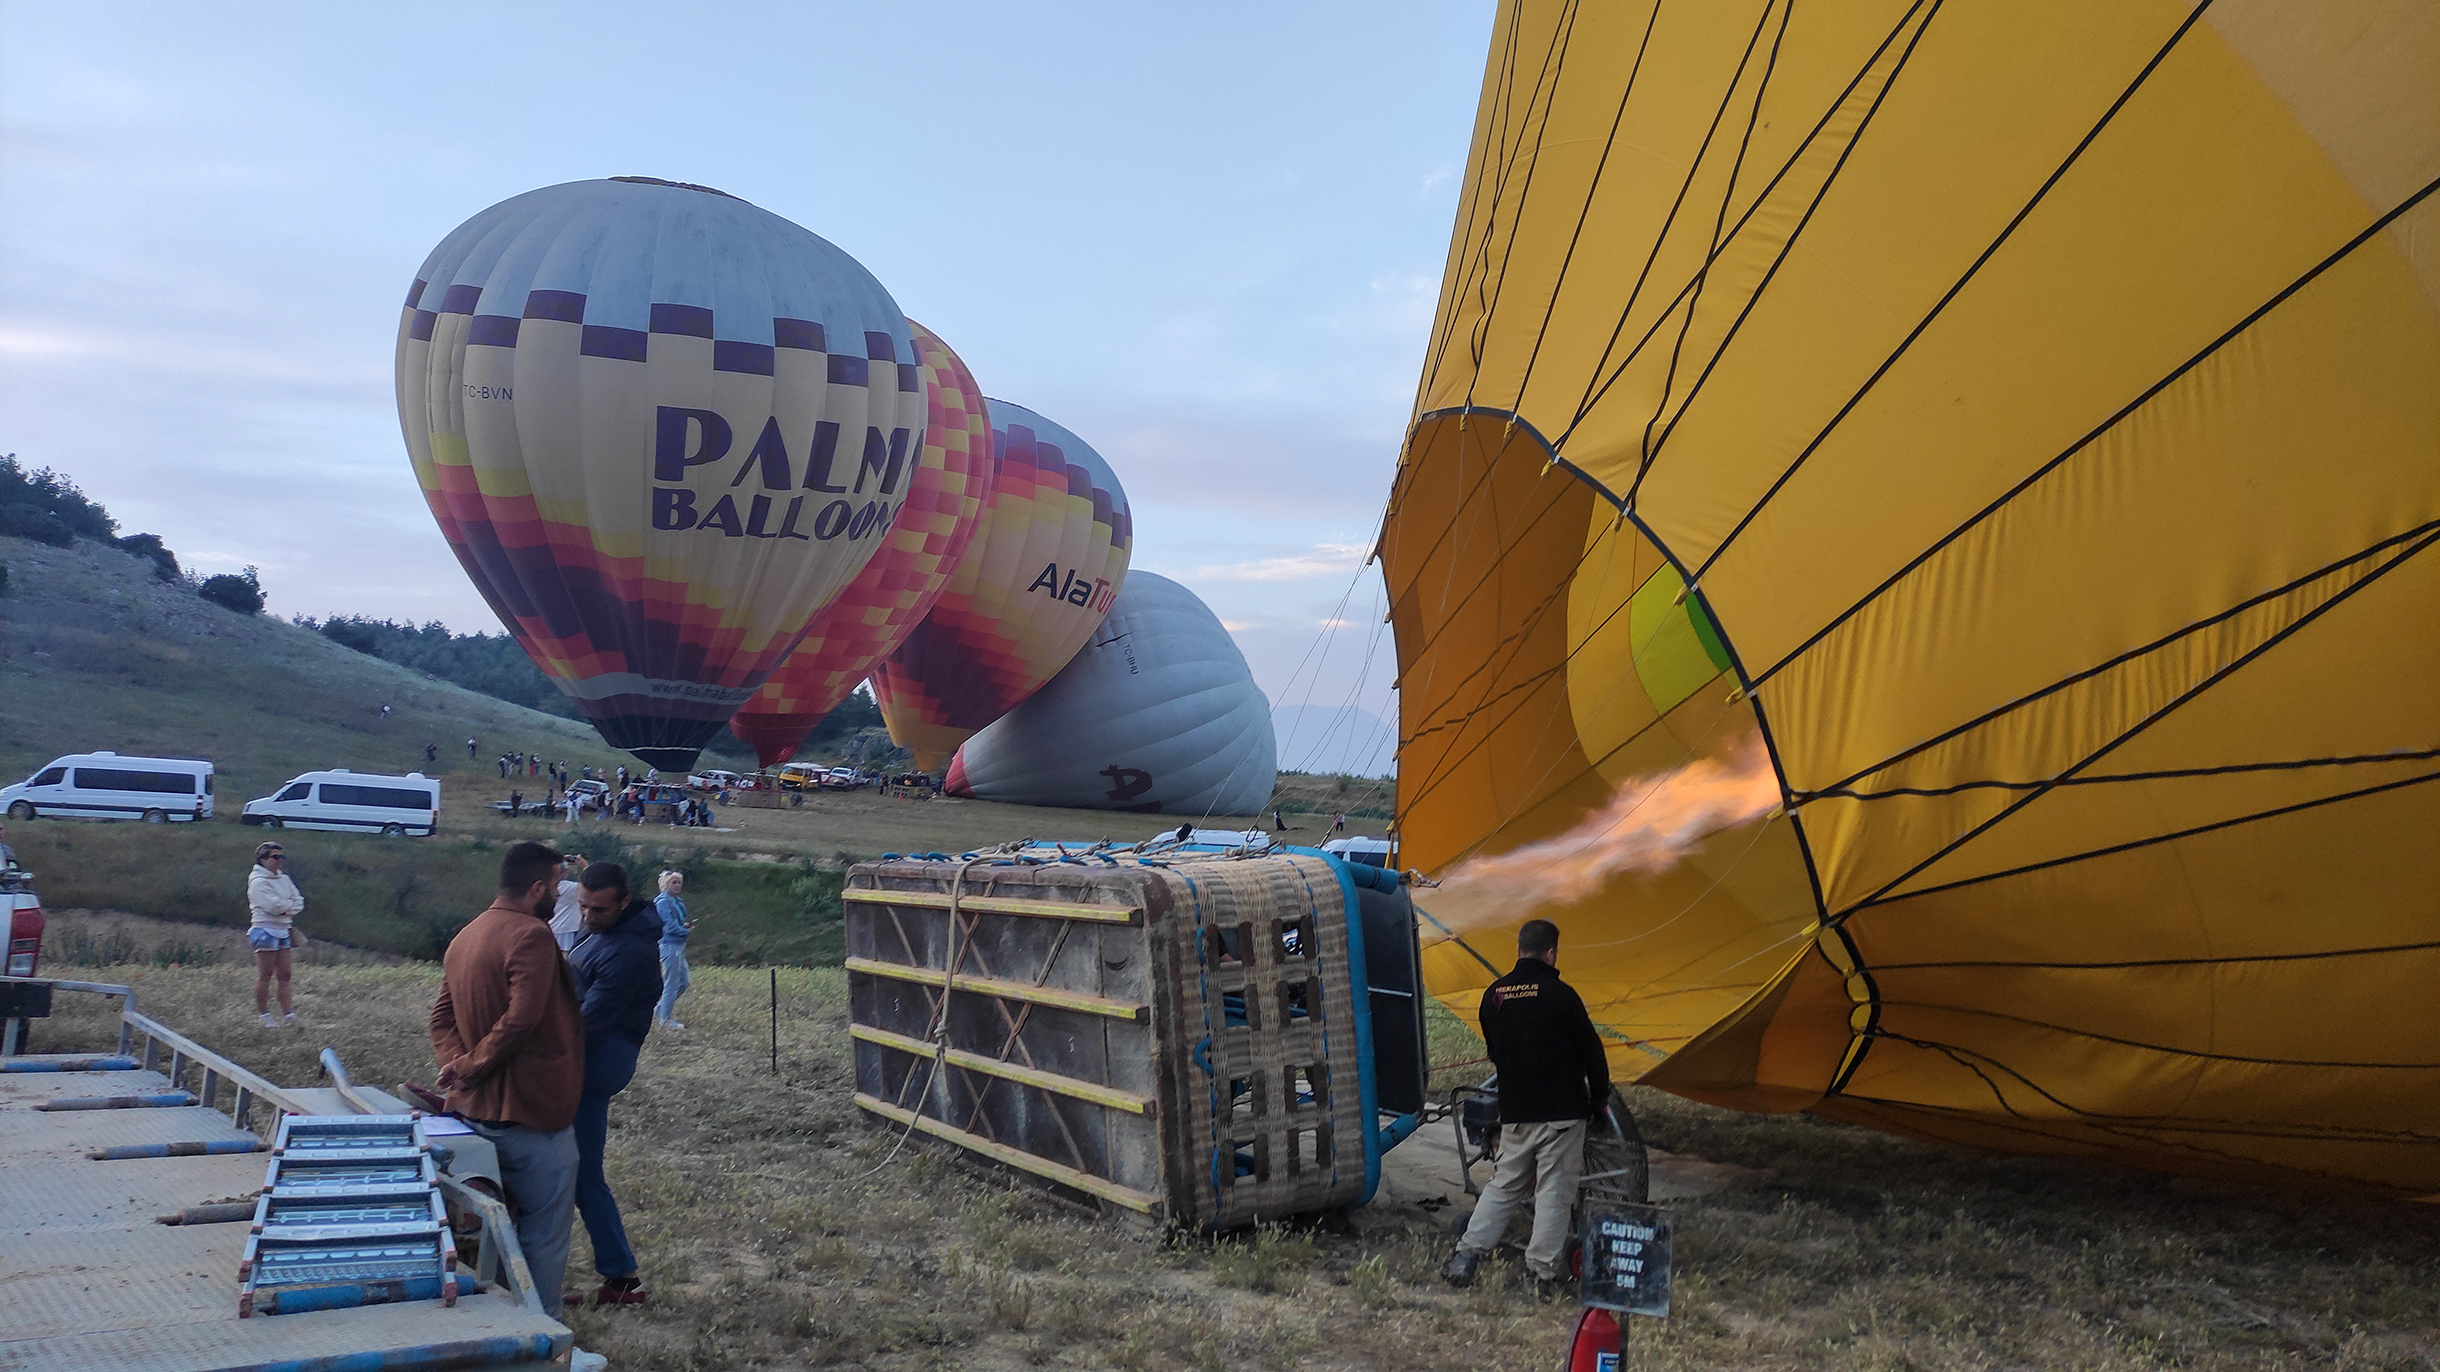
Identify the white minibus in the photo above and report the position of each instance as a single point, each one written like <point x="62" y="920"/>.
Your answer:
<point x="108" y="786"/>
<point x="354" y="801"/>
<point x="1372" y="852"/>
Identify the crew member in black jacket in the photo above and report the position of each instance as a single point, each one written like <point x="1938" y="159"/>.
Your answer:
<point x="1553" y="1079"/>
<point x="617" y="966"/>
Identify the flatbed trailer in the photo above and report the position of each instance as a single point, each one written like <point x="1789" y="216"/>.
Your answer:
<point x="89" y="1277"/>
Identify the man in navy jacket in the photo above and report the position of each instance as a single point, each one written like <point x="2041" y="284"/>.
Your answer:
<point x="617" y="964"/>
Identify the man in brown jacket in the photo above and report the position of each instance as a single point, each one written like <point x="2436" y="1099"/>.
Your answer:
<point x="511" y="1049"/>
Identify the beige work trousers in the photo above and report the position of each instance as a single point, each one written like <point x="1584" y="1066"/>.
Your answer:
<point x="1540" y="1163"/>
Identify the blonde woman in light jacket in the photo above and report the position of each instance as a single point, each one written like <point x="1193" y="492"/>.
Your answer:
<point x="272" y="934"/>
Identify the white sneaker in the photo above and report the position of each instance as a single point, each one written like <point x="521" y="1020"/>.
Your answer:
<point x="270" y="1021"/>
<point x="581" y="1361"/>
<point x="671" y="1024"/>
<point x="289" y="1019"/>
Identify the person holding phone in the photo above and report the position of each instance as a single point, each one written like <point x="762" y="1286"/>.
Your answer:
<point x="567" y="913"/>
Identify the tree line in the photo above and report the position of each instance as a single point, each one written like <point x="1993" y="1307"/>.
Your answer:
<point x="46" y="507"/>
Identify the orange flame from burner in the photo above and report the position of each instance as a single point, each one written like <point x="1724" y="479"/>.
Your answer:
<point x="1648" y="826"/>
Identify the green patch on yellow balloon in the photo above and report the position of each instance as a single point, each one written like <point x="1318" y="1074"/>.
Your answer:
<point x="1677" y="648"/>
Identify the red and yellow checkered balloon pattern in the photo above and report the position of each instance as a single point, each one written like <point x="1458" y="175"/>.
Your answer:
<point x="874" y="613"/>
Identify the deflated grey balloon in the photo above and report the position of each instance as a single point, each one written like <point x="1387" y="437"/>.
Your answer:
<point x="1156" y="713"/>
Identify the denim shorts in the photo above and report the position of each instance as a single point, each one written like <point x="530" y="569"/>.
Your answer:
<point x="263" y="940"/>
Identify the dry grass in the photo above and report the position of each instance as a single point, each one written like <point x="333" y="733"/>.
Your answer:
<point x="84" y="939"/>
<point x="770" y="1239"/>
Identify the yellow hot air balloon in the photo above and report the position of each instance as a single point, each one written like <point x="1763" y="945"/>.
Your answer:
<point x="2009" y="436"/>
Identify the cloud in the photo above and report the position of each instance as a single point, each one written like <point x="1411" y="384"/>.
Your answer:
<point x="35" y="341"/>
<point x="1326" y="559"/>
<point x="192" y="355"/>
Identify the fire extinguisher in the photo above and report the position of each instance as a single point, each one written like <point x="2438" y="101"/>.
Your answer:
<point x="1595" y="1347"/>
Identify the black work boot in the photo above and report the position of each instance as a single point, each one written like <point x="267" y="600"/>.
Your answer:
<point x="1459" y="1269"/>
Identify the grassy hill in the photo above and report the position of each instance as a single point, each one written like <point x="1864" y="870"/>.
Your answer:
<point x="96" y="653"/>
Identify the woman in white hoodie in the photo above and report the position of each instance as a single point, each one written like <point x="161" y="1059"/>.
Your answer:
<point x="272" y="933"/>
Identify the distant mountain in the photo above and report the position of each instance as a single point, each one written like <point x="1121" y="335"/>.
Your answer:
<point x="1334" y="738"/>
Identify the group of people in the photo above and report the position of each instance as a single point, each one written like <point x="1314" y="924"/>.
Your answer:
<point x="548" y="996"/>
<point x="545" y="1003"/>
<point x="546" y="1000"/>
<point x="1280" y="824"/>
<point x="532" y="765"/>
<point x="689" y="813"/>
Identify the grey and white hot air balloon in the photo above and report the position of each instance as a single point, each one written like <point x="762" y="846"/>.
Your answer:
<point x="1156" y="713"/>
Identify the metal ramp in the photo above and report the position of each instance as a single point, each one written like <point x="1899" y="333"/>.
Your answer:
<point x="350" y="1215"/>
<point x="89" y="1279"/>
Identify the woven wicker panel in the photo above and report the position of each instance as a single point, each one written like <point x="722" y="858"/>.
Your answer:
<point x="1268" y="1119"/>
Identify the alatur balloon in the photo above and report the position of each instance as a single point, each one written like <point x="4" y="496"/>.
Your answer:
<point x="1047" y="561"/>
<point x="660" y="428"/>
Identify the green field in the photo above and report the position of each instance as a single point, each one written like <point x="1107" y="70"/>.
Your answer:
<point x="96" y="654"/>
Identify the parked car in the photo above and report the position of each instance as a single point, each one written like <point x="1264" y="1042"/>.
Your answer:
<point x="105" y="785"/>
<point x="579" y="790"/>
<point x="1372" y="852"/>
<point x="711" y="779"/>
<point x="842" y="779"/>
<point x="350" y="801"/>
<point x="801" y="776"/>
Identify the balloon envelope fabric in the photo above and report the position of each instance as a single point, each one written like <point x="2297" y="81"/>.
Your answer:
<point x="1047" y="560"/>
<point x="1158" y="713"/>
<point x="876" y="611"/>
<point x="660" y="428"/>
<point x="2018" y="425"/>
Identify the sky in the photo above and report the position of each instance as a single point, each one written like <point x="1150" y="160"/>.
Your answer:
<point x="1208" y="239"/>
